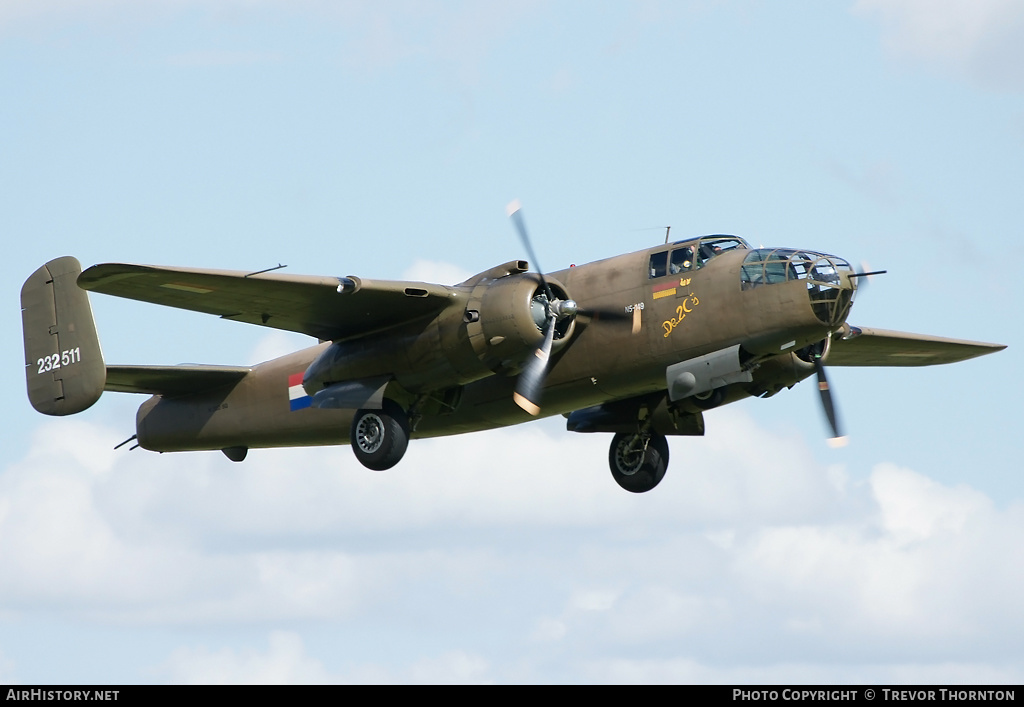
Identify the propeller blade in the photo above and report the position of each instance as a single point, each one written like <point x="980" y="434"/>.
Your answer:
<point x="531" y="379"/>
<point x="837" y="439"/>
<point x="514" y="211"/>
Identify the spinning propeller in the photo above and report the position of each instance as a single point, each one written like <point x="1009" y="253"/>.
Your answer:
<point x="531" y="379"/>
<point x="838" y="439"/>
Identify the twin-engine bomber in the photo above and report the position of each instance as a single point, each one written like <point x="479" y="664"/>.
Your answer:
<point x="638" y="346"/>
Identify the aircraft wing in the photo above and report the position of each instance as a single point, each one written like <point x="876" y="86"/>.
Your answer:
<point x="328" y="308"/>
<point x="171" y="380"/>
<point x="877" y="347"/>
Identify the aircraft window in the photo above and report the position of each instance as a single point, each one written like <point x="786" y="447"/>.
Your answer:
<point x="800" y="265"/>
<point x="769" y="266"/>
<point x="710" y="247"/>
<point x="659" y="262"/>
<point x="682" y="259"/>
<point x="825" y="271"/>
<point x="775" y="271"/>
<point x="751" y="271"/>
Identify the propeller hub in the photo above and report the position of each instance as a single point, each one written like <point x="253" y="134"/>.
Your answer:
<point x="563" y="309"/>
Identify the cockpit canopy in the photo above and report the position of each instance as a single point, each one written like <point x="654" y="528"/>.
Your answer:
<point x="692" y="254"/>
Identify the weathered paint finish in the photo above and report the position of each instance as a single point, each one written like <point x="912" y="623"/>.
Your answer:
<point x="604" y="361"/>
<point x="451" y="355"/>
<point x="255" y="412"/>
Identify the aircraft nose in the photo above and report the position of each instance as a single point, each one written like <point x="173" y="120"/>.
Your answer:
<point x="830" y="289"/>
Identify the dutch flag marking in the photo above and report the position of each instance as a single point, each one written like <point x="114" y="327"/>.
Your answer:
<point x="297" y="398"/>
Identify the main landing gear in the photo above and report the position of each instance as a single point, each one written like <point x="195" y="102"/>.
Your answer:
<point x="380" y="437"/>
<point x="638" y="460"/>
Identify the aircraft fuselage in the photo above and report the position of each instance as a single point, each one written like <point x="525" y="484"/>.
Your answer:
<point x="682" y="316"/>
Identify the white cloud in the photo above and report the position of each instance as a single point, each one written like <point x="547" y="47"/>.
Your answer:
<point x="436" y="272"/>
<point x="932" y="562"/>
<point x="982" y="39"/>
<point x="458" y="550"/>
<point x="455" y="667"/>
<point x="279" y="343"/>
<point x="685" y="671"/>
<point x="915" y="508"/>
<point x="284" y="662"/>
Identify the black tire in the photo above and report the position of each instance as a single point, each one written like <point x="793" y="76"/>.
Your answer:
<point x="380" y="437"/>
<point x="638" y="470"/>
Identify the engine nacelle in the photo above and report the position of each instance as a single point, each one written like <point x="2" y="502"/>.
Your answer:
<point x="500" y="327"/>
<point x="505" y="319"/>
<point x="786" y="370"/>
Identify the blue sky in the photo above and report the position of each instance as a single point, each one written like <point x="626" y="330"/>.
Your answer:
<point x="383" y="140"/>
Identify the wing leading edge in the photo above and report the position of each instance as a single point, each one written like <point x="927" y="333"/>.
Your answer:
<point x="328" y="308"/>
<point x="877" y="347"/>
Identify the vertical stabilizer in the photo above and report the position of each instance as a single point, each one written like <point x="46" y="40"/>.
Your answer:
<point x="63" y="363"/>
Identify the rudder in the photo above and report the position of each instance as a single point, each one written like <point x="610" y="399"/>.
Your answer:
<point x="64" y="366"/>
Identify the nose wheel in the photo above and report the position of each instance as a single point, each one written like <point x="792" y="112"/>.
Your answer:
<point x="638" y="461"/>
<point x="380" y="437"/>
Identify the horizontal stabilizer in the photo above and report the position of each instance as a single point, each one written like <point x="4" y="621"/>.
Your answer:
<point x="172" y="381"/>
<point x="876" y="347"/>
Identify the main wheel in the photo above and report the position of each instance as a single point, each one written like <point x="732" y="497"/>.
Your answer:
<point x="380" y="437"/>
<point x="638" y="467"/>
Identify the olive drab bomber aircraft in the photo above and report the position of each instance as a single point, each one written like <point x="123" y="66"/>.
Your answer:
<point x="637" y="346"/>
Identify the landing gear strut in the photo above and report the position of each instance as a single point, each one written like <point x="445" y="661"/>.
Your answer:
<point x="638" y="461"/>
<point x="380" y="437"/>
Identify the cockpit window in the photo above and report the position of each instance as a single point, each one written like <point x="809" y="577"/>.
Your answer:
<point x="658" y="265"/>
<point x="682" y="260"/>
<point x="708" y="248"/>
<point x="688" y="255"/>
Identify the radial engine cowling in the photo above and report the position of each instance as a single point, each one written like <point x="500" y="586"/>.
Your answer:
<point x="505" y="320"/>
<point x="784" y="371"/>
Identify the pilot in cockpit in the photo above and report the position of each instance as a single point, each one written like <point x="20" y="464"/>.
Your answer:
<point x="707" y="252"/>
<point x="682" y="259"/>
